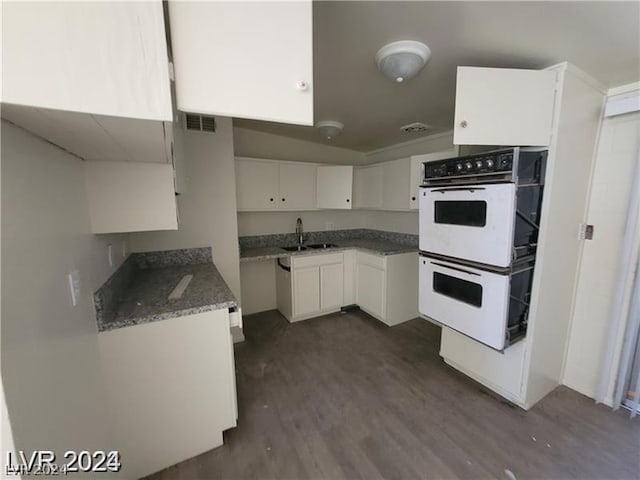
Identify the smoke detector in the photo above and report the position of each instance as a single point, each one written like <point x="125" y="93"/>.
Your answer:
<point x="416" y="127"/>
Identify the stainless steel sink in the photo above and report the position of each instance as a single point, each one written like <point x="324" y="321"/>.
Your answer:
<point x="322" y="245"/>
<point x="295" y="248"/>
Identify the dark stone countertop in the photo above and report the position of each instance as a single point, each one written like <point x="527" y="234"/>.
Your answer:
<point x="375" y="246"/>
<point x="144" y="298"/>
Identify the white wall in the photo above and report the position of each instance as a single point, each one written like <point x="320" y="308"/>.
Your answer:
<point x="432" y="143"/>
<point x="617" y="154"/>
<point x="265" y="223"/>
<point x="207" y="208"/>
<point x="51" y="368"/>
<point x="251" y="143"/>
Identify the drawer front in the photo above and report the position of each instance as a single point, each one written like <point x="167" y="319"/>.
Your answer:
<point x="301" y="261"/>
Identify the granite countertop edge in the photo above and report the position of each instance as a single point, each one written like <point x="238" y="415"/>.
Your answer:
<point x="269" y="253"/>
<point x="132" y="322"/>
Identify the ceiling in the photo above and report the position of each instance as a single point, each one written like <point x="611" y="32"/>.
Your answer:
<point x="600" y="38"/>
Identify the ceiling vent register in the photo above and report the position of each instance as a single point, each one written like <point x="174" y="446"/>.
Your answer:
<point x="416" y="127"/>
<point x="200" y="123"/>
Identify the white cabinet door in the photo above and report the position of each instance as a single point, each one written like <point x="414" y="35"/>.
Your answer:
<point x="501" y="106"/>
<point x="335" y="185"/>
<point x="107" y="58"/>
<point x="331" y="286"/>
<point x="306" y="288"/>
<point x="370" y="292"/>
<point x="368" y="186"/>
<point x="349" y="277"/>
<point x="297" y="187"/>
<point x="130" y="196"/>
<point x="395" y="184"/>
<point x="244" y="59"/>
<point x="256" y="184"/>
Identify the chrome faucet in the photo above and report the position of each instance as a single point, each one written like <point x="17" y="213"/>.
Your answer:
<point x="299" y="231"/>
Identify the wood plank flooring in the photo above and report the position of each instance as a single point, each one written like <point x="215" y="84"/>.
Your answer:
<point x="344" y="396"/>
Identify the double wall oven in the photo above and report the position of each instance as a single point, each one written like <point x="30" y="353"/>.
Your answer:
<point x="479" y="218"/>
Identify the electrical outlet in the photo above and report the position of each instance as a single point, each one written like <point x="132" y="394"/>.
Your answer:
<point x="329" y="226"/>
<point x="74" y="286"/>
<point x="110" y="254"/>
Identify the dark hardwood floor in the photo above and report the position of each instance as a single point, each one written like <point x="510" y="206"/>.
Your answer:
<point x="344" y="396"/>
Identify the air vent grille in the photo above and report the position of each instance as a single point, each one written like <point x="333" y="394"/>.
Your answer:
<point x="200" y="123"/>
<point x="416" y="127"/>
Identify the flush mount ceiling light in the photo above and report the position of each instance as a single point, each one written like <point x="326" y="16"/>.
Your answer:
<point x="402" y="60"/>
<point x="329" y="128"/>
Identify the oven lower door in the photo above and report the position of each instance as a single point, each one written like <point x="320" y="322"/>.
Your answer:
<point x="473" y="222"/>
<point x="472" y="301"/>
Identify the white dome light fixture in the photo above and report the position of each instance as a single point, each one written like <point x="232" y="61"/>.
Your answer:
<point x="402" y="60"/>
<point x="329" y="128"/>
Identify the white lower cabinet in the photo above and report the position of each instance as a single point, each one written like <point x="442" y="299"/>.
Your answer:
<point x="306" y="291"/>
<point x="384" y="286"/>
<point x="387" y="286"/>
<point x="171" y="387"/>
<point x="331" y="286"/>
<point x="313" y="285"/>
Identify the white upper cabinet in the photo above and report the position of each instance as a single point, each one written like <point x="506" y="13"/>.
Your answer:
<point x="256" y="184"/>
<point x="130" y="196"/>
<point x="244" y="59"/>
<point x="396" y="184"/>
<point x="367" y="186"/>
<point x="334" y="187"/>
<point x="272" y="185"/>
<point x="105" y="58"/>
<point x="297" y="186"/>
<point x="500" y="106"/>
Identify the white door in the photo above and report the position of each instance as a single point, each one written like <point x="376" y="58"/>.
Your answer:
<point x="334" y="187"/>
<point x="370" y="290"/>
<point x="472" y="301"/>
<point x="297" y="187"/>
<point x="256" y="185"/>
<point x="472" y="222"/>
<point x="306" y="291"/>
<point x="367" y="186"/>
<point x="244" y="59"/>
<point x="502" y="106"/>
<point x="331" y="286"/>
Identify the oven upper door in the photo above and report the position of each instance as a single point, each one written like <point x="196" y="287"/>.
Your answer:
<point x="472" y="301"/>
<point x="473" y="222"/>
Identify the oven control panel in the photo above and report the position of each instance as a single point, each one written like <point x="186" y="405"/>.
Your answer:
<point x="497" y="162"/>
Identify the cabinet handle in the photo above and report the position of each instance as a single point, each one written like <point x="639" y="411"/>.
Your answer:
<point x="271" y="199"/>
<point x="463" y="124"/>
<point x="283" y="200"/>
<point x="413" y="198"/>
<point x="348" y="200"/>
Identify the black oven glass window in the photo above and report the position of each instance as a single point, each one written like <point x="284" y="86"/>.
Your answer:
<point x="462" y="290"/>
<point x="472" y="213"/>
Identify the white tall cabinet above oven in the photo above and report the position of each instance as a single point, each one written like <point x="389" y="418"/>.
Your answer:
<point x="531" y="368"/>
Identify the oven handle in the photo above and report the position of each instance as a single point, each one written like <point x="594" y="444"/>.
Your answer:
<point x="457" y="189"/>
<point x="455" y="268"/>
